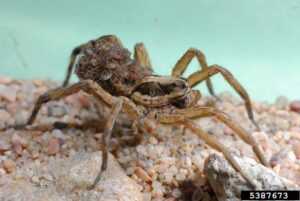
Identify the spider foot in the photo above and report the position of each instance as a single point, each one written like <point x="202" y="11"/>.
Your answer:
<point x="96" y="181"/>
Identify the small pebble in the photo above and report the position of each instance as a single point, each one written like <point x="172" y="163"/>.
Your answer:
<point x="296" y="148"/>
<point x="176" y="193"/>
<point x="58" y="134"/>
<point x="35" y="179"/>
<point x="4" y="146"/>
<point x="34" y="155"/>
<point x="147" y="196"/>
<point x="17" y="147"/>
<point x="153" y="140"/>
<point x="141" y="173"/>
<point x="38" y="83"/>
<point x="295" y="106"/>
<point x="5" y="80"/>
<point x="4" y="115"/>
<point x="2" y="172"/>
<point x="282" y="102"/>
<point x="21" y="117"/>
<point x="48" y="177"/>
<point x="17" y="139"/>
<point x="157" y="189"/>
<point x="56" y="111"/>
<point x="9" y="165"/>
<point x="276" y="168"/>
<point x="53" y="146"/>
<point x="8" y="93"/>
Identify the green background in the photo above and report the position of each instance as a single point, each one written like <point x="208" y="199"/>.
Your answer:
<point x="257" y="40"/>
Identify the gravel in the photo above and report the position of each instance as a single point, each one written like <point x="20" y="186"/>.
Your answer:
<point x="161" y="167"/>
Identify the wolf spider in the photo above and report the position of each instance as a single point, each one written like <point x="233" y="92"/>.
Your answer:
<point x="107" y="72"/>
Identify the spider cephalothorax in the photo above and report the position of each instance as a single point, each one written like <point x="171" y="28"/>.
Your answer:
<point x="107" y="72"/>
<point x="158" y="91"/>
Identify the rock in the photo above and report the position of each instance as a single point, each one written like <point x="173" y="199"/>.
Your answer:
<point x="4" y="115"/>
<point x="80" y="172"/>
<point x="21" y="117"/>
<point x="53" y="146"/>
<point x="141" y="173"/>
<point x="227" y="183"/>
<point x="17" y="147"/>
<point x="9" y="166"/>
<point x="18" y="143"/>
<point x="8" y="93"/>
<point x="295" y="106"/>
<point x="58" y="134"/>
<point x="69" y="181"/>
<point x="4" y="146"/>
<point x="282" y="102"/>
<point x="16" y="139"/>
<point x="56" y="111"/>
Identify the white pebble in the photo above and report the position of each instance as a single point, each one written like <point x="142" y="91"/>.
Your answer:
<point x="153" y="140"/>
<point x="147" y="196"/>
<point x="168" y="177"/>
<point x="58" y="134"/>
<point x="186" y="162"/>
<point x="176" y="193"/>
<point x="35" y="179"/>
<point x="181" y="174"/>
<point x="173" y="170"/>
<point x="158" y="189"/>
<point x="141" y="150"/>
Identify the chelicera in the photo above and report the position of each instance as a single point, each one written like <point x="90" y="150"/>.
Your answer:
<point x="129" y="85"/>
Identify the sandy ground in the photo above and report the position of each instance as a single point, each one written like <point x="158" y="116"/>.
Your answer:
<point x="169" y="168"/>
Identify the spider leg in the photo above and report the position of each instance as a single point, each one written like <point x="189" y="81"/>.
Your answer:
<point x="73" y="57"/>
<point x="96" y="124"/>
<point x="122" y="104"/>
<point x="116" y="109"/>
<point x="213" y="141"/>
<point x="200" y="76"/>
<point x="88" y="86"/>
<point x="141" y="56"/>
<point x="185" y="60"/>
<point x="198" y="112"/>
<point x="183" y="116"/>
<point x="210" y="140"/>
<point x="130" y="140"/>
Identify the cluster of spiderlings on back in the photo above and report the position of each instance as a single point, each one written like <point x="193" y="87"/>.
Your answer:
<point x="98" y="63"/>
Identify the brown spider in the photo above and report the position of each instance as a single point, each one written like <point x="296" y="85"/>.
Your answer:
<point x="107" y="72"/>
